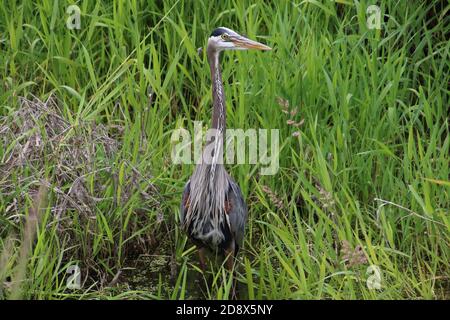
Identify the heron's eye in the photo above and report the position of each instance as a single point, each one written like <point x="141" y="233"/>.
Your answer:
<point x="225" y="37"/>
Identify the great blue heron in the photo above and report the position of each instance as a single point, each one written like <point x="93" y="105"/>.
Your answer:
<point x="213" y="212"/>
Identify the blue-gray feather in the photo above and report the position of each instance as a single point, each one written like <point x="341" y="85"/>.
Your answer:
<point x="237" y="214"/>
<point x="184" y="199"/>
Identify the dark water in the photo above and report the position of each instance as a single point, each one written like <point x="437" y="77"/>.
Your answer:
<point x="156" y="275"/>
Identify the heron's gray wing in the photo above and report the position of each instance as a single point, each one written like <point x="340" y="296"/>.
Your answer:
<point x="237" y="212"/>
<point x="185" y="201"/>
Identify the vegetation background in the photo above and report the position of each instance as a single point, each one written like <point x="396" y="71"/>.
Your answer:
<point x="86" y="177"/>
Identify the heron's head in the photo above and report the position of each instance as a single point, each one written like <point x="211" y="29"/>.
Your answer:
<point x="226" y="39"/>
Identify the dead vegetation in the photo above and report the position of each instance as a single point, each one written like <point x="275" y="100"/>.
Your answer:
<point x="82" y="167"/>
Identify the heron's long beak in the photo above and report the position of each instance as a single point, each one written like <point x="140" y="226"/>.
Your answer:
<point x="243" y="42"/>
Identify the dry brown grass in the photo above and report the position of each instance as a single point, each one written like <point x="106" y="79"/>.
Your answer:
<point x="74" y="164"/>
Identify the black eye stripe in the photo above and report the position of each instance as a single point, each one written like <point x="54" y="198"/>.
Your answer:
<point x="217" y="32"/>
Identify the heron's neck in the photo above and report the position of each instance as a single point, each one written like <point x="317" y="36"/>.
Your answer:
<point x="219" y="111"/>
<point x="210" y="180"/>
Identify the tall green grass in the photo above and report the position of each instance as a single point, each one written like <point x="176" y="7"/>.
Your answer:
<point x="369" y="166"/>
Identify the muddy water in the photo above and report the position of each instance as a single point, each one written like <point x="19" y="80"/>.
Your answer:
<point x="156" y="275"/>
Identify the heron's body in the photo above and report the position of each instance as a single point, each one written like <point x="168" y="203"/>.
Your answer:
<point x="213" y="212"/>
<point x="222" y="227"/>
